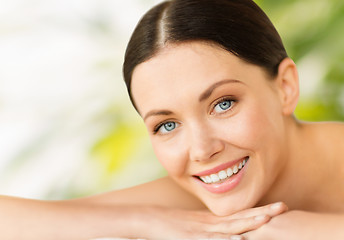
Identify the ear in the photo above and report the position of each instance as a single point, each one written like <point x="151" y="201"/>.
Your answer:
<point x="288" y="85"/>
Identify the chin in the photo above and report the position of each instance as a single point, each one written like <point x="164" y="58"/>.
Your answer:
<point x="225" y="211"/>
<point x="224" y="208"/>
<point x="228" y="205"/>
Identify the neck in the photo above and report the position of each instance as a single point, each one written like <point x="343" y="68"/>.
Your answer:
<point x="301" y="177"/>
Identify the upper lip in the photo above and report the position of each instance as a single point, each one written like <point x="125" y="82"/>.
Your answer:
<point x="219" y="168"/>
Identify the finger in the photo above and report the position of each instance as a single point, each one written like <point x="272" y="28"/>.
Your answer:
<point x="239" y="226"/>
<point x="270" y="210"/>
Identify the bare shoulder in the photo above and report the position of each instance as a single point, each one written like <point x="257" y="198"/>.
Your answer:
<point x="333" y="131"/>
<point x="329" y="141"/>
<point x="326" y="140"/>
<point x="162" y="192"/>
<point x="334" y="125"/>
<point x="328" y="130"/>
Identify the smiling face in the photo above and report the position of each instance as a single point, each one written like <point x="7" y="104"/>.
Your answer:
<point x="215" y="122"/>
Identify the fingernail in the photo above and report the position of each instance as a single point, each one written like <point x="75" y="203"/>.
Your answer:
<point x="235" y="237"/>
<point x="260" y="218"/>
<point x="276" y="206"/>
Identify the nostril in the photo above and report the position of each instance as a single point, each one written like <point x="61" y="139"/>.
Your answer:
<point x="214" y="154"/>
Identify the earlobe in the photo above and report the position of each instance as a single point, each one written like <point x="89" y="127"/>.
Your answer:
<point x="288" y="84"/>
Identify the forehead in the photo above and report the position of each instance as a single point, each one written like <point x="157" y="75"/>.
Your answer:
<point x="183" y="69"/>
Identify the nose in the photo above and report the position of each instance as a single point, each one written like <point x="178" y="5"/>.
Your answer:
<point x="204" y="144"/>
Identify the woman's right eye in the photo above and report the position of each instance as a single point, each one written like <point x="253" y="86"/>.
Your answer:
<point x="165" y="127"/>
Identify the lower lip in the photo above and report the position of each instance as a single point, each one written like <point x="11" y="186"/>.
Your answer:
<point x="225" y="186"/>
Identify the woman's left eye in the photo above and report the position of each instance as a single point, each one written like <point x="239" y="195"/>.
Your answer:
<point x="223" y="106"/>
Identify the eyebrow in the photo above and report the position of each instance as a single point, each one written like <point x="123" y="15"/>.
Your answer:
<point x="207" y="93"/>
<point x="157" y="113"/>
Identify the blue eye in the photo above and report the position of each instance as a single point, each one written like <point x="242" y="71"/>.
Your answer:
<point x="166" y="127"/>
<point x="223" y="106"/>
<point x="169" y="126"/>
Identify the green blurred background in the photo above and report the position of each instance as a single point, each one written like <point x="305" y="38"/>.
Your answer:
<point x="67" y="126"/>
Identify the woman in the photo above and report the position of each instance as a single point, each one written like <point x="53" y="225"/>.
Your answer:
<point x="216" y="90"/>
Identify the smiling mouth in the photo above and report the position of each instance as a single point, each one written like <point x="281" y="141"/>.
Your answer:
<point x="224" y="174"/>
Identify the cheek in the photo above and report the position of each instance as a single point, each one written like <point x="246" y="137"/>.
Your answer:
<point x="172" y="156"/>
<point x="260" y="130"/>
<point x="246" y="131"/>
<point x="255" y="128"/>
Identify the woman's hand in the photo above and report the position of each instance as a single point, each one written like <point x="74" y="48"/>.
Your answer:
<point x="167" y="223"/>
<point x="300" y="225"/>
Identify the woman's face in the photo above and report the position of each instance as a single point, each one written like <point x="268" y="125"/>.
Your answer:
<point x="215" y="122"/>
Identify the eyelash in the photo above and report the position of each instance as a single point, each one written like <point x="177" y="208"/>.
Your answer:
<point x="222" y="99"/>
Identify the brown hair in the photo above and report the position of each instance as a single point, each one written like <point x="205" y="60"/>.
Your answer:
<point x="238" y="26"/>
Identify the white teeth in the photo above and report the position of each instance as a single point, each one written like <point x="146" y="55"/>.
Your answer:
<point x="235" y="169"/>
<point x="215" y="178"/>
<point x="229" y="172"/>
<point x="223" y="174"/>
